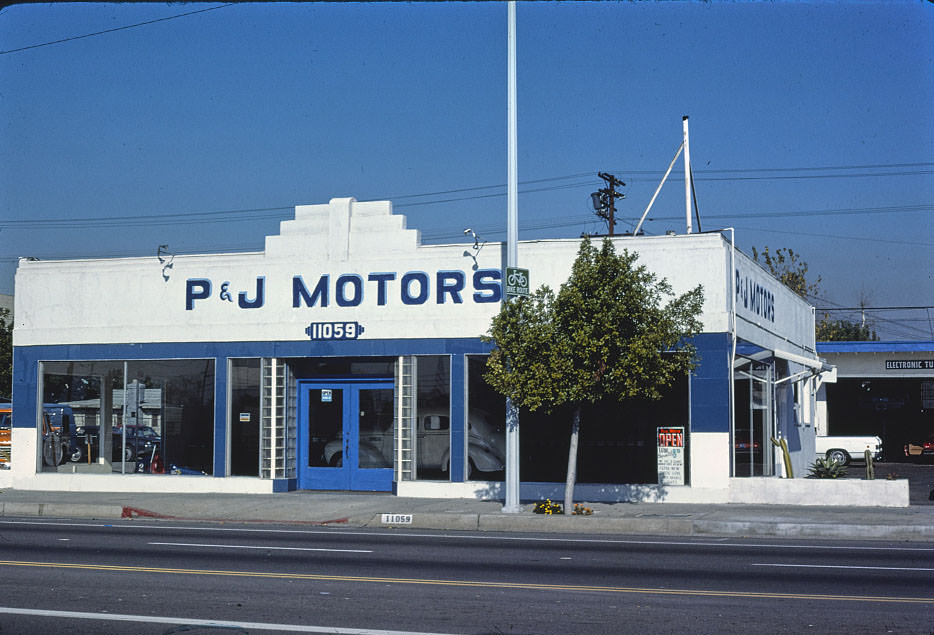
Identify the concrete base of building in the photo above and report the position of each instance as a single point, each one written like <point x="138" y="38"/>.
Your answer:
<point x="748" y="491"/>
<point x="123" y="483"/>
<point x="826" y="492"/>
<point x="753" y="491"/>
<point x="594" y="492"/>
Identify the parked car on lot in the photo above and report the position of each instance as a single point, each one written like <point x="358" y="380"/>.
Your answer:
<point x="141" y="441"/>
<point x="921" y="449"/>
<point x="844" y="449"/>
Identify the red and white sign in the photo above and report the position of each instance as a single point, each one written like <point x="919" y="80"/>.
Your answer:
<point x="670" y="456"/>
<point x="671" y="437"/>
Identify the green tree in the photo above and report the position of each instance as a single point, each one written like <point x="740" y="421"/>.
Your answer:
<point x="606" y="334"/>
<point x="791" y="271"/>
<point x="6" y="354"/>
<point x="828" y="330"/>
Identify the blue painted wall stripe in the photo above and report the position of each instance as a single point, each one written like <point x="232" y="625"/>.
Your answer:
<point x="458" y="418"/>
<point x="710" y="384"/>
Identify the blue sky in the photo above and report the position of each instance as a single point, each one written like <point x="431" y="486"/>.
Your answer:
<point x="811" y="126"/>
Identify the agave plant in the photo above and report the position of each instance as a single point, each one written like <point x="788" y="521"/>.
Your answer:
<point x="827" y="468"/>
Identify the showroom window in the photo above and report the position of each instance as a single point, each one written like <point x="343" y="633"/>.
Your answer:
<point x="433" y="418"/>
<point x="130" y="417"/>
<point x="486" y="425"/>
<point x="244" y="381"/>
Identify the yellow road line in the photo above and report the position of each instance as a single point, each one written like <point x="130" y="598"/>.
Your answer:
<point x="469" y="583"/>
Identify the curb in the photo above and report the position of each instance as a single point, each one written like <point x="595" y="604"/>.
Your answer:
<point x="844" y="531"/>
<point x="61" y="510"/>
<point x="557" y="524"/>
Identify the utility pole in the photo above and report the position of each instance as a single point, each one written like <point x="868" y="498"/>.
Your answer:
<point x="604" y="200"/>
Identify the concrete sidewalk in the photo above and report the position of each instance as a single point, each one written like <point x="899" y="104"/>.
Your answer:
<point x="366" y="510"/>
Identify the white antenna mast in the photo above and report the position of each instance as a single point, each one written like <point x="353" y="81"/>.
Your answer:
<point x="687" y="174"/>
<point x="688" y="184"/>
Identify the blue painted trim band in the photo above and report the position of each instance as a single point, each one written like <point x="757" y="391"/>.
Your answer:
<point x="220" y="417"/>
<point x="280" y="485"/>
<point x="710" y="384"/>
<point x="458" y="419"/>
<point x="876" y="347"/>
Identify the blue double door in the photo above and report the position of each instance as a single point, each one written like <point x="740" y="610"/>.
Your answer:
<point x="345" y="435"/>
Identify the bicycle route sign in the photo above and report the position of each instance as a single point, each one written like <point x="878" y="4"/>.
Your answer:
<point x="516" y="281"/>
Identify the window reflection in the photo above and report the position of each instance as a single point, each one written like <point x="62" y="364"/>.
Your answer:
<point x="486" y="425"/>
<point x="157" y="418"/>
<point x="433" y="440"/>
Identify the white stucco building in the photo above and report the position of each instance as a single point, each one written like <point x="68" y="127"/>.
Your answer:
<point x="347" y="355"/>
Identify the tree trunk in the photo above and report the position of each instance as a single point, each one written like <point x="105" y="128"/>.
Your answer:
<point x="572" y="462"/>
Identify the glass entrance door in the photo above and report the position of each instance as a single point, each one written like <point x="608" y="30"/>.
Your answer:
<point x="754" y="422"/>
<point x="345" y="435"/>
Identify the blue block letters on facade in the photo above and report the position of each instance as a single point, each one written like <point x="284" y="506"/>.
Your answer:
<point x="351" y="289"/>
<point x="755" y="297"/>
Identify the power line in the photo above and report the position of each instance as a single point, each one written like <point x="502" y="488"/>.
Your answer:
<point x="876" y="308"/>
<point x="870" y="166"/>
<point x="835" y="236"/>
<point x="119" y="28"/>
<point x="577" y="182"/>
<point x="182" y="218"/>
<point x="893" y="209"/>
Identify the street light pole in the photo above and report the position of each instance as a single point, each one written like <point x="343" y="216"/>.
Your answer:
<point x="512" y="238"/>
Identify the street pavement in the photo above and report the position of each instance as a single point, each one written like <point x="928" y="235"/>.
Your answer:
<point x="351" y="509"/>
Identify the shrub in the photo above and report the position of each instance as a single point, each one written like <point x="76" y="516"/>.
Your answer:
<point x="547" y="507"/>
<point x="827" y="468"/>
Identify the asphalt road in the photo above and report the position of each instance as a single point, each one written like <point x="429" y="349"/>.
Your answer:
<point x="159" y="577"/>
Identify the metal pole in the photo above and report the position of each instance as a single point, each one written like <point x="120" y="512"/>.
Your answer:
<point x="512" y="238"/>
<point x="687" y="174"/>
<point x="512" y="230"/>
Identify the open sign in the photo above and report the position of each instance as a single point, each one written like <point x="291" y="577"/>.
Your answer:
<point x="671" y="437"/>
<point x="670" y="455"/>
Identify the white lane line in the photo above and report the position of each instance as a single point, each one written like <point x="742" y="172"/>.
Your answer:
<point x="839" y="566"/>
<point x="195" y="544"/>
<point x="710" y="542"/>
<point x="187" y="621"/>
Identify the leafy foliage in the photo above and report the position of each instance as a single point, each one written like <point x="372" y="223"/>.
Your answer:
<point x="6" y="354"/>
<point x="790" y="270"/>
<point x="605" y="334"/>
<point x="844" y="331"/>
<point x="547" y="507"/>
<point x="787" y="266"/>
<point x="827" y="468"/>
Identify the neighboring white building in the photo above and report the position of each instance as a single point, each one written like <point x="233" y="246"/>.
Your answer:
<point x="884" y="389"/>
<point x="347" y="355"/>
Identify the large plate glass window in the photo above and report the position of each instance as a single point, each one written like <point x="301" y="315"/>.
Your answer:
<point x="244" y="380"/>
<point x="433" y="421"/>
<point x="486" y="425"/>
<point x="134" y="416"/>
